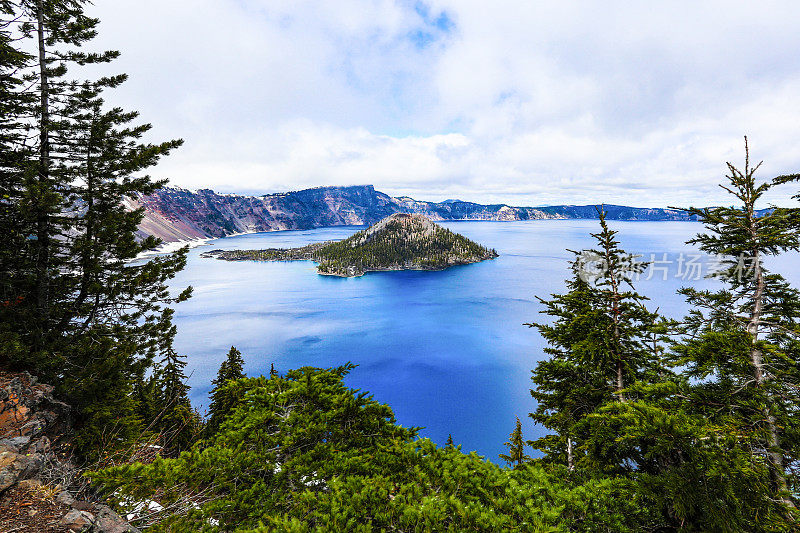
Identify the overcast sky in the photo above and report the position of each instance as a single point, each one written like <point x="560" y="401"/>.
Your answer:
<point x="525" y="102"/>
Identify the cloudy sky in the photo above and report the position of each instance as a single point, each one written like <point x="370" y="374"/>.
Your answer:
<point x="525" y="102"/>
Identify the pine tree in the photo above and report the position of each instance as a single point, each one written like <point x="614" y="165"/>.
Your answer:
<point x="625" y="346"/>
<point x="83" y="317"/>
<point x="223" y="397"/>
<point x="147" y="395"/>
<point x="516" y="448"/>
<point x="687" y="440"/>
<point x="162" y="403"/>
<point x="742" y="349"/>
<point x="14" y="129"/>
<point x="178" y="424"/>
<point x="598" y="346"/>
<point x="649" y="427"/>
<point x="231" y="368"/>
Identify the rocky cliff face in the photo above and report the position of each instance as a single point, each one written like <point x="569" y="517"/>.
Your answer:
<point x="178" y="214"/>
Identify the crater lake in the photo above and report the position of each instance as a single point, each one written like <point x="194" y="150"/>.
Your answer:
<point x="447" y="350"/>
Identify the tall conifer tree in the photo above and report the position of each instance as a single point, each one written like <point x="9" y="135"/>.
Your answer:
<point x="598" y="343"/>
<point x="15" y="111"/>
<point x="224" y="398"/>
<point x="516" y="448"/>
<point x="742" y="349"/>
<point x="636" y="426"/>
<point x="179" y="424"/>
<point x="83" y="316"/>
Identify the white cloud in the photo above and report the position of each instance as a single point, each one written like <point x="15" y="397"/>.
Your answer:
<point x="521" y="102"/>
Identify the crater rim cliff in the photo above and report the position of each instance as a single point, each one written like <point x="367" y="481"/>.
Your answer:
<point x="174" y="214"/>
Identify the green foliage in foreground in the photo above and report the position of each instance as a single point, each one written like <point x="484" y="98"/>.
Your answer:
<point x="305" y="453"/>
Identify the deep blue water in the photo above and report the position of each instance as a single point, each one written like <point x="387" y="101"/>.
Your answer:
<point x="447" y="350"/>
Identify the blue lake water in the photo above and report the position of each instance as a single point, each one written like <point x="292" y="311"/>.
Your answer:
<point x="447" y="350"/>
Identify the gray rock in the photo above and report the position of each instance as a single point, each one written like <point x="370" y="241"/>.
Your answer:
<point x="17" y="442"/>
<point x="32" y="380"/>
<point x="17" y="467"/>
<point x="33" y="466"/>
<point x="83" y="505"/>
<point x="76" y="520"/>
<point x="12" y="466"/>
<point x="107" y="521"/>
<point x="6" y="446"/>
<point x="40" y="446"/>
<point x="23" y="458"/>
<point x="33" y="429"/>
<point x="65" y="498"/>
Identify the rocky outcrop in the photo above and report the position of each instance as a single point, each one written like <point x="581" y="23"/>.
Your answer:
<point x="179" y="215"/>
<point x="33" y="498"/>
<point x="27" y="411"/>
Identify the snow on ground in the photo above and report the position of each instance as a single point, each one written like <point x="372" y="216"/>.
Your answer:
<point x="169" y="247"/>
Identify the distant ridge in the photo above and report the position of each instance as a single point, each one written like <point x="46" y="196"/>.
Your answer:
<point x="175" y="214"/>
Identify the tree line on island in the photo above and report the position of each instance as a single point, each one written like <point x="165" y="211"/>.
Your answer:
<point x="654" y="424"/>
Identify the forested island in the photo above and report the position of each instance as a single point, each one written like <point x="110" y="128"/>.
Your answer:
<point x="398" y="242"/>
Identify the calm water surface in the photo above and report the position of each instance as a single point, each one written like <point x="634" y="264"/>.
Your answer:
<point x="447" y="350"/>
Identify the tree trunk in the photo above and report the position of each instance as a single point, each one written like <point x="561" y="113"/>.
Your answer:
<point x="570" y="457"/>
<point x="775" y="452"/>
<point x="42" y="218"/>
<point x="620" y="381"/>
<point x="615" y="312"/>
